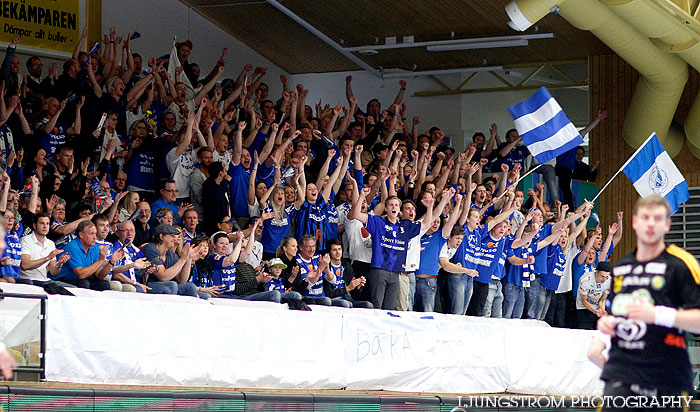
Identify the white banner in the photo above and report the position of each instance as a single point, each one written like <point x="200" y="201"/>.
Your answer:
<point x="98" y="340"/>
<point x="425" y="355"/>
<point x="107" y="339"/>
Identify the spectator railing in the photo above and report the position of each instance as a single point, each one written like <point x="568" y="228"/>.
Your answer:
<point x="28" y="369"/>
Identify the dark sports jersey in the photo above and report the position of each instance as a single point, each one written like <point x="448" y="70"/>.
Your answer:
<point x="311" y="220"/>
<point x="650" y="355"/>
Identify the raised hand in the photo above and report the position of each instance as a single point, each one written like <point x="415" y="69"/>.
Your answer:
<point x="613" y="228"/>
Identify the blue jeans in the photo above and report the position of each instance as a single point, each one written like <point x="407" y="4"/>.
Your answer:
<point x="412" y="290"/>
<point x="317" y="300"/>
<point x="340" y="302"/>
<point x="187" y="289"/>
<point x="494" y="300"/>
<point x="163" y="288"/>
<point x="425" y="294"/>
<point x="513" y="301"/>
<point x="543" y="301"/>
<point x="267" y="296"/>
<point x="460" y="286"/>
<point x="290" y="295"/>
<point x="532" y="298"/>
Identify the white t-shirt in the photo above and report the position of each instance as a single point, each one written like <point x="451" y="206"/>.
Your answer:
<point x="223" y="158"/>
<point x="255" y="256"/>
<point x="413" y="252"/>
<point x="446" y="252"/>
<point x="180" y="168"/>
<point x="358" y="241"/>
<point x="566" y="282"/>
<point x="593" y="290"/>
<point x="35" y="250"/>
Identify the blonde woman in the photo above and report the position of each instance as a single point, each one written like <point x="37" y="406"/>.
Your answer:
<point x="128" y="206"/>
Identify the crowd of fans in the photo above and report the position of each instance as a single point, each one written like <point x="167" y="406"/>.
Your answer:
<point x="122" y="173"/>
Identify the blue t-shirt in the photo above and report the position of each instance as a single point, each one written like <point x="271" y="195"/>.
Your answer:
<point x="258" y="143"/>
<point x="240" y="179"/>
<point x="469" y="248"/>
<point x="162" y="203"/>
<point x="490" y="258"/>
<point x="274" y="231"/>
<point x="307" y="266"/>
<point x="265" y="174"/>
<point x="517" y="155"/>
<point x="514" y="273"/>
<point x="13" y="250"/>
<point x="500" y="271"/>
<point x="430" y="246"/>
<point x="51" y="140"/>
<point x="78" y="259"/>
<point x="140" y="171"/>
<point x="390" y="242"/>
<point x="541" y="255"/>
<point x="556" y="261"/>
<point x="223" y="275"/>
<point x="578" y="270"/>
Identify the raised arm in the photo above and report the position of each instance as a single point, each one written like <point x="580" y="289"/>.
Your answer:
<point x="450" y="223"/>
<point x="238" y="144"/>
<point x="80" y="42"/>
<point x="587" y="248"/>
<point x="578" y="229"/>
<point x="207" y="87"/>
<point x="608" y="242"/>
<point x="618" y="234"/>
<point x="602" y="115"/>
<point x="402" y="91"/>
<point x="493" y="140"/>
<point x="235" y="254"/>
<point x="356" y="210"/>
<point x="251" y="242"/>
<point x="251" y="180"/>
<point x="502" y="216"/>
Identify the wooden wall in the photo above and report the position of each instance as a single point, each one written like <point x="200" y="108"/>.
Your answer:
<point x="611" y="84"/>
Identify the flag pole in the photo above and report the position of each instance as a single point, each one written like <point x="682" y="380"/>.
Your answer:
<point x="624" y="165"/>
<point x="606" y="185"/>
<point x="521" y="178"/>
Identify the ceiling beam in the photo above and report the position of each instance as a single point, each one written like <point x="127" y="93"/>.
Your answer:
<point x="498" y="89"/>
<point x="316" y="32"/>
<point x="475" y="40"/>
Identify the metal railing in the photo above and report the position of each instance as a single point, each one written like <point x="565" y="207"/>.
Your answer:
<point x="41" y="368"/>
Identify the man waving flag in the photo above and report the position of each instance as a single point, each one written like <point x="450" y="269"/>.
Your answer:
<point x="651" y="170"/>
<point x="544" y="127"/>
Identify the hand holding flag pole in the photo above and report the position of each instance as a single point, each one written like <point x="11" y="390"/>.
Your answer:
<point x="521" y="178"/>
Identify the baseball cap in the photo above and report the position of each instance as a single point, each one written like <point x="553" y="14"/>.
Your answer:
<point x="277" y="262"/>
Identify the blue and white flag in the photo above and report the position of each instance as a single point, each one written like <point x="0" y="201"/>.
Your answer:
<point x="544" y="127"/>
<point x="651" y="170"/>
